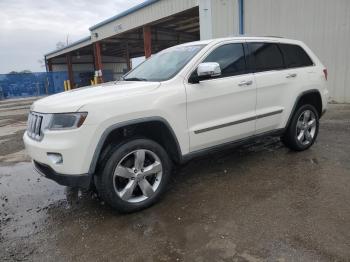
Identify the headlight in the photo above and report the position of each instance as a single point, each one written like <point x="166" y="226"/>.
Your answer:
<point x="67" y="121"/>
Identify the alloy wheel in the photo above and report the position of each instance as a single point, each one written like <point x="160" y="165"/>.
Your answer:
<point x="306" y="127"/>
<point x="137" y="176"/>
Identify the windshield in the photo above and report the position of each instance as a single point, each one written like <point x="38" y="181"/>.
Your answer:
<point x="164" y="65"/>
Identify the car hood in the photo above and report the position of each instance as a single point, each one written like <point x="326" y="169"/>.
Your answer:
<point x="72" y="101"/>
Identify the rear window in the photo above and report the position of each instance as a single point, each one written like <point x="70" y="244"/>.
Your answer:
<point x="295" y="56"/>
<point x="266" y="56"/>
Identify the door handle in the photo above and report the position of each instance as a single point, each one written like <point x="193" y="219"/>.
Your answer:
<point x="245" y="83"/>
<point x="291" y="75"/>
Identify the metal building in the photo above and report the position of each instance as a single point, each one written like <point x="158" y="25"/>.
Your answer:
<point x="322" y="24"/>
<point x="157" y="24"/>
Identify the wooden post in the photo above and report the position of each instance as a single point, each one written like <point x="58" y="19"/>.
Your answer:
<point x="98" y="61"/>
<point x="70" y="70"/>
<point x="147" y="40"/>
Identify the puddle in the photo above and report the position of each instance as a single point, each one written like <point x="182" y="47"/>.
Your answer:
<point x="26" y="197"/>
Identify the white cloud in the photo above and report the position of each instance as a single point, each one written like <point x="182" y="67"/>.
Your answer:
<point x="31" y="28"/>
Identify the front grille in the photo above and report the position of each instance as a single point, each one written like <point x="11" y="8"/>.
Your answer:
<point x="34" y="130"/>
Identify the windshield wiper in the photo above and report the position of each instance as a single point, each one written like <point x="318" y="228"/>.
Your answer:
<point x="135" y="79"/>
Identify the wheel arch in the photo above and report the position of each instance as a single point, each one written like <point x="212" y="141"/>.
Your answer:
<point x="312" y="97"/>
<point x="138" y="128"/>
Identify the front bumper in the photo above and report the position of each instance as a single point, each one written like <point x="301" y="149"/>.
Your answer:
<point x="80" y="181"/>
<point x="75" y="146"/>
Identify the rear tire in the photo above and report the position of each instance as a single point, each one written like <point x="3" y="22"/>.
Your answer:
<point x="134" y="175"/>
<point x="303" y="129"/>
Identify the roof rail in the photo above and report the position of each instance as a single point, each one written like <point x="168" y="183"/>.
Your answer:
<point x="273" y="36"/>
<point x="250" y="35"/>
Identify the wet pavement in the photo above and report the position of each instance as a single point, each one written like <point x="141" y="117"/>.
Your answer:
<point x="258" y="202"/>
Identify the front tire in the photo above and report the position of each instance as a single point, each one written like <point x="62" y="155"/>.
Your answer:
<point x="135" y="175"/>
<point x="303" y="129"/>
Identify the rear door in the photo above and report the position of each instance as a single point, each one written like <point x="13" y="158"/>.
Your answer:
<point x="300" y="70"/>
<point x="274" y="84"/>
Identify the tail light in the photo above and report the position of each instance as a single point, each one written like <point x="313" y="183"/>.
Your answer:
<point x="325" y="72"/>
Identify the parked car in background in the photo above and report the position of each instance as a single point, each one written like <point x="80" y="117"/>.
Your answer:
<point x="124" y="137"/>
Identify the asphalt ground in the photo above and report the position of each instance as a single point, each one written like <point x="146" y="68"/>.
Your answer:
<point x="258" y="202"/>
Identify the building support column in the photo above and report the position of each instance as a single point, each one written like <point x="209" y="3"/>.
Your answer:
<point x="241" y="16"/>
<point x="147" y="41"/>
<point x="210" y="18"/>
<point x="205" y="20"/>
<point x="49" y="65"/>
<point x="127" y="56"/>
<point x="98" y="62"/>
<point x="70" y="70"/>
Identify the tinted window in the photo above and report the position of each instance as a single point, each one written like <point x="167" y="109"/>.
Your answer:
<point x="295" y="56"/>
<point x="266" y="56"/>
<point x="231" y="59"/>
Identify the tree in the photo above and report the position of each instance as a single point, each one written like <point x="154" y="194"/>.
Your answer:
<point x="41" y="62"/>
<point x="60" y="45"/>
<point x="26" y="71"/>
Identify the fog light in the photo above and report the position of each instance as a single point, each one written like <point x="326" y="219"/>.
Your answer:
<point x="55" y="158"/>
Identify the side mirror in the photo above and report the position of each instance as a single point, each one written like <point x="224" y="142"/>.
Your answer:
<point x="208" y="70"/>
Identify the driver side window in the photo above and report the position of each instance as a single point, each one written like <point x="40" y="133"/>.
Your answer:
<point x="230" y="58"/>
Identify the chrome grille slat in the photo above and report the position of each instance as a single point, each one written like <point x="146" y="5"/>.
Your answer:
<point x="32" y="124"/>
<point x="38" y="126"/>
<point x="35" y="121"/>
<point x="29" y="121"/>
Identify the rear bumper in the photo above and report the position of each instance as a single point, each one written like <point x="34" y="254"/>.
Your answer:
<point x="80" y="181"/>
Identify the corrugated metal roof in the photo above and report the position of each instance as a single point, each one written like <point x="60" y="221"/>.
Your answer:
<point x="122" y="14"/>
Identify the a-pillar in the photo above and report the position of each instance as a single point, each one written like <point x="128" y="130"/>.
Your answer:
<point x="70" y="70"/>
<point x="147" y="40"/>
<point x="98" y="62"/>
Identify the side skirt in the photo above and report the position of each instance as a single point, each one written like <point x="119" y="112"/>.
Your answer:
<point x="232" y="144"/>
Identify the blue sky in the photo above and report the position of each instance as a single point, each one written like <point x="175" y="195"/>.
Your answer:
<point x="31" y="28"/>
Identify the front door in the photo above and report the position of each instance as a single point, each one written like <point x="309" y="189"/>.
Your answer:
<point x="222" y="109"/>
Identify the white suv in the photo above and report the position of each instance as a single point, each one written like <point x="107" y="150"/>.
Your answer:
<point x="123" y="137"/>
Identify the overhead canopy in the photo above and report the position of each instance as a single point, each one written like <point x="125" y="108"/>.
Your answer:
<point x="141" y="31"/>
<point x="171" y="22"/>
